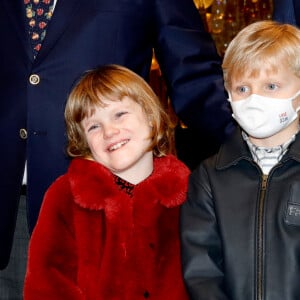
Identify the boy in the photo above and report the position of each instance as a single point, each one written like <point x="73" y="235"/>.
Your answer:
<point x="240" y="226"/>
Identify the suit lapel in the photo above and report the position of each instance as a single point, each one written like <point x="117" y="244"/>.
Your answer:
<point x="63" y="13"/>
<point x="16" y="13"/>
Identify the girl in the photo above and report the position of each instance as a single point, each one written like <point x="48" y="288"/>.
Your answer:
<point x="109" y="227"/>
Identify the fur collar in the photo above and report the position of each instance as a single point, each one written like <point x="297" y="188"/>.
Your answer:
<point x="93" y="186"/>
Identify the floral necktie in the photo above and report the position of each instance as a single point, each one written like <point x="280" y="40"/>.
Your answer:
<point x="38" y="14"/>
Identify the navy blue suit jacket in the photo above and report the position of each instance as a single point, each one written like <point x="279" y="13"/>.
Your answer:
<point x="287" y="11"/>
<point x="81" y="35"/>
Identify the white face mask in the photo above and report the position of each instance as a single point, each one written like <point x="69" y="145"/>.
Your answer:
<point x="262" y="117"/>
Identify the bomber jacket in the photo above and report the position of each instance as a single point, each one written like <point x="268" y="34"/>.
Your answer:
<point x="240" y="229"/>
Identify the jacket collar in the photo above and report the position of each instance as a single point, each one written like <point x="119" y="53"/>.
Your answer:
<point x="236" y="149"/>
<point x="93" y="186"/>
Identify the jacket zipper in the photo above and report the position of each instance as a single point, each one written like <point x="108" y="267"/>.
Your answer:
<point x="260" y="246"/>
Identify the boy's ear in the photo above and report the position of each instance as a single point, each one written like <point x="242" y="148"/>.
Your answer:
<point x="297" y="104"/>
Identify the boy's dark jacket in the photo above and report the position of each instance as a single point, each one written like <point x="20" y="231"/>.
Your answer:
<point x="248" y="229"/>
<point x="94" y="241"/>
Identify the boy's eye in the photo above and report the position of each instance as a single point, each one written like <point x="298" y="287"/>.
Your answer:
<point x="242" y="89"/>
<point x="272" y="86"/>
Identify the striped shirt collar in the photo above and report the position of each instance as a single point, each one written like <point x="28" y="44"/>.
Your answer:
<point x="265" y="157"/>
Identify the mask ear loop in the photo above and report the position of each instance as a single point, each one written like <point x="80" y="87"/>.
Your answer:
<point x="293" y="98"/>
<point x="229" y="99"/>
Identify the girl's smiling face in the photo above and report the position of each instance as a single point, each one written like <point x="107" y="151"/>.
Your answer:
<point x="118" y="135"/>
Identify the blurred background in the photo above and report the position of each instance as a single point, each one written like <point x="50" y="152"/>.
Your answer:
<point x="224" y="18"/>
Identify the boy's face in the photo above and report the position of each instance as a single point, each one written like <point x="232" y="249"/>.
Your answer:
<point x="281" y="85"/>
<point x="118" y="137"/>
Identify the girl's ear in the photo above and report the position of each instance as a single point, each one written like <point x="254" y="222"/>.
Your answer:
<point x="150" y="120"/>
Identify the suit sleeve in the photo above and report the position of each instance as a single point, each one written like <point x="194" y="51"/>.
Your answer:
<point x="285" y="11"/>
<point x="192" y="68"/>
<point x="202" y="254"/>
<point x="52" y="259"/>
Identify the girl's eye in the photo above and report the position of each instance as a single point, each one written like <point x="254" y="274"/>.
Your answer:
<point x="120" y="114"/>
<point x="92" y="127"/>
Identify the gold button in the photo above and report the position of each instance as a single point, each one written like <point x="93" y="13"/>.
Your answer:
<point x="23" y="133"/>
<point x="34" y="79"/>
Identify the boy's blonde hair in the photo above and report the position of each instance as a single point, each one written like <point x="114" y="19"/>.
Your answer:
<point x="114" y="82"/>
<point x="263" y="43"/>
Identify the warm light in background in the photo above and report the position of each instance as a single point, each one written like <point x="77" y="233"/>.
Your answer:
<point x="225" y="18"/>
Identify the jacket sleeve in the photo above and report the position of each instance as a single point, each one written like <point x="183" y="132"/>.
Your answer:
<point x="285" y="11"/>
<point x="202" y="258"/>
<point x="52" y="263"/>
<point x="192" y="68"/>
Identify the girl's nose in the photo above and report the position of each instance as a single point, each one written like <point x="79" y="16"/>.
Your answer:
<point x="110" y="130"/>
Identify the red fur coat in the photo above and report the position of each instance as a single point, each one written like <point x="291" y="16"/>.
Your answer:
<point x="93" y="241"/>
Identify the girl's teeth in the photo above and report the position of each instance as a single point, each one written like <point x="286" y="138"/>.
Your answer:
<point x="117" y="146"/>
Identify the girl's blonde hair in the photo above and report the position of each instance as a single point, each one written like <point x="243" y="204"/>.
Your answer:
<point x="115" y="82"/>
<point x="263" y="43"/>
